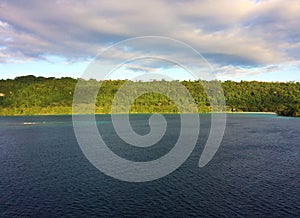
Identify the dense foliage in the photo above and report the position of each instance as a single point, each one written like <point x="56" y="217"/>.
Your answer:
<point x="39" y="95"/>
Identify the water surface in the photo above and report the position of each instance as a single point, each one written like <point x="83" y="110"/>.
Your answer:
<point x="255" y="173"/>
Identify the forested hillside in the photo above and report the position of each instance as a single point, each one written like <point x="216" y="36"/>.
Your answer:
<point x="39" y="95"/>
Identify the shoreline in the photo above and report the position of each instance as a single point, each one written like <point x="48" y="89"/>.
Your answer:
<point x="229" y="112"/>
<point x="136" y="113"/>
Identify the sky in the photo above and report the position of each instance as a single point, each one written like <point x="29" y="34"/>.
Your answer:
<point x="237" y="40"/>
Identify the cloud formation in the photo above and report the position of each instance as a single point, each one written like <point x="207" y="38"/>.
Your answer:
<point x="230" y="34"/>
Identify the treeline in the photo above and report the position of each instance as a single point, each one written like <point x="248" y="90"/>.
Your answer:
<point x="38" y="95"/>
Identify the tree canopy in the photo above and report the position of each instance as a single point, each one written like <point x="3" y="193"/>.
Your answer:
<point x="39" y="95"/>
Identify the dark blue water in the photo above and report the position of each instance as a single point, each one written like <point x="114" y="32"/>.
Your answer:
<point x="255" y="173"/>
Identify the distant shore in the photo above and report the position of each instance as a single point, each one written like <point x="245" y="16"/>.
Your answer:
<point x="246" y="112"/>
<point x="132" y="113"/>
<point x="30" y="95"/>
<point x="136" y="113"/>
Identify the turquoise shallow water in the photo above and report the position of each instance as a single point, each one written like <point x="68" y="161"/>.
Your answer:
<point x="256" y="171"/>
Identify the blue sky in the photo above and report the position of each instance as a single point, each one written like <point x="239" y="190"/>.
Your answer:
<point x="241" y="40"/>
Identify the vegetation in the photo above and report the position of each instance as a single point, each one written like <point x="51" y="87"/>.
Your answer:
<point x="29" y="95"/>
<point x="290" y="110"/>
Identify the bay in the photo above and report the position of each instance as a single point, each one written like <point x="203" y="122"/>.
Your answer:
<point x="256" y="171"/>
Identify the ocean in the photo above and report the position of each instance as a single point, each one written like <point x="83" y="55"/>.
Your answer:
<point x="254" y="173"/>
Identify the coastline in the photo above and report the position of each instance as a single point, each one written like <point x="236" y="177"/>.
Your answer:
<point x="133" y="113"/>
<point x="246" y="112"/>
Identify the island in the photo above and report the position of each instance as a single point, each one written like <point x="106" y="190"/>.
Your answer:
<point x="31" y="95"/>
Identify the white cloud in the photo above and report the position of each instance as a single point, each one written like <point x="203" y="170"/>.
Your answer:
<point x="229" y="33"/>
